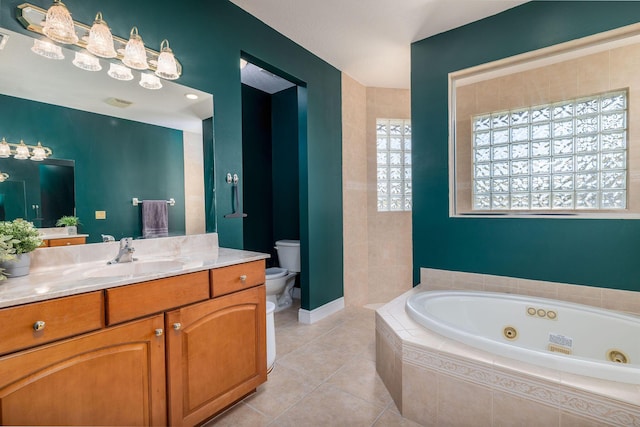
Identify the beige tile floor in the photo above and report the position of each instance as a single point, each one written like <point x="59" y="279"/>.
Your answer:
<point x="324" y="375"/>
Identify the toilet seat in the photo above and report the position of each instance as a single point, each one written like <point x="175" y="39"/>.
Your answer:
<point x="275" y="273"/>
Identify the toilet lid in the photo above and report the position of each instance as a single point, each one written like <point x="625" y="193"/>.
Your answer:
<point x="288" y="243"/>
<point x="275" y="272"/>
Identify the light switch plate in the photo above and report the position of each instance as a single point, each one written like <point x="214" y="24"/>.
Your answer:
<point x="101" y="214"/>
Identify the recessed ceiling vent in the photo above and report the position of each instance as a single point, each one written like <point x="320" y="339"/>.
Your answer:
<point x="117" y="102"/>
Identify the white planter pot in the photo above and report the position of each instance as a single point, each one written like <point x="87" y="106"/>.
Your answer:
<point x="17" y="267"/>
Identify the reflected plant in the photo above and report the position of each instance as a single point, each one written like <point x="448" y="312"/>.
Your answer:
<point x="67" y="221"/>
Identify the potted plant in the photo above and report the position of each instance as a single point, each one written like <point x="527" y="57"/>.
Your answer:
<point x="18" y="239"/>
<point x="7" y="253"/>
<point x="70" y="222"/>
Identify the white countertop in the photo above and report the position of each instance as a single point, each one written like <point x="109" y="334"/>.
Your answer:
<point x="59" y="272"/>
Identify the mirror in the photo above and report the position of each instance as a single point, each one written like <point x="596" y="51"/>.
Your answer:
<point x="548" y="133"/>
<point x="125" y="141"/>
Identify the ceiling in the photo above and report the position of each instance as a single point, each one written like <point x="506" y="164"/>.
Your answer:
<point x="370" y="41"/>
<point x="259" y="78"/>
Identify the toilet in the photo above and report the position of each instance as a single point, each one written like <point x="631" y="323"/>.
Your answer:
<point x="280" y="280"/>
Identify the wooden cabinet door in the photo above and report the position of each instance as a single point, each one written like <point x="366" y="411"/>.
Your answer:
<point x="115" y="376"/>
<point x="216" y="354"/>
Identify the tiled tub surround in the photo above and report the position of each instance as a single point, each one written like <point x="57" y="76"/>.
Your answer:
<point x="611" y="299"/>
<point x="438" y="381"/>
<point x="60" y="271"/>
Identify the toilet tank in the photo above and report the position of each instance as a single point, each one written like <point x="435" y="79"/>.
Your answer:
<point x="289" y="254"/>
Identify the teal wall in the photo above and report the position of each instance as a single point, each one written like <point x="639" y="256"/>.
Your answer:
<point x="208" y="38"/>
<point x="285" y="177"/>
<point x="108" y="168"/>
<point x="256" y="164"/>
<point x="270" y="163"/>
<point x="590" y="252"/>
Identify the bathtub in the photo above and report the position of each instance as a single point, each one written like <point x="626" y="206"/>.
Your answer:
<point x="567" y="337"/>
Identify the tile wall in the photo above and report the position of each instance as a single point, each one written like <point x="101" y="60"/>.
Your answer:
<point x="612" y="299"/>
<point x="377" y="245"/>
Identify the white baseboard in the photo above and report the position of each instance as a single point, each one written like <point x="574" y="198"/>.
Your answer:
<point x="309" y="317"/>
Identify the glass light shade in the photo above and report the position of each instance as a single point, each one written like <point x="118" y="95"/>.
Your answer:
<point x="5" y="149"/>
<point x="58" y="24"/>
<point x="38" y="153"/>
<point x="47" y="49"/>
<point x="4" y="176"/>
<point x="22" y="151"/>
<point x="119" y="72"/>
<point x="87" y="62"/>
<point x="100" y="39"/>
<point x="149" y="81"/>
<point x="167" y="65"/>
<point x="135" y="55"/>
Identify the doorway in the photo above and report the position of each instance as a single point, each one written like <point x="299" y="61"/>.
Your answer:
<point x="273" y="106"/>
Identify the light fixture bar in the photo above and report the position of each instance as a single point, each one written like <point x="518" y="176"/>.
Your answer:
<point x="31" y="17"/>
<point x="23" y="151"/>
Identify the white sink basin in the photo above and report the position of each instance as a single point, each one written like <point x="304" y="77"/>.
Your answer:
<point x="135" y="268"/>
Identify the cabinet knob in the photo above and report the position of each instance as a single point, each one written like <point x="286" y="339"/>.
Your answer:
<point x="243" y="278"/>
<point x="39" y="325"/>
<point x="177" y="326"/>
<point x="68" y="243"/>
<point x="159" y="332"/>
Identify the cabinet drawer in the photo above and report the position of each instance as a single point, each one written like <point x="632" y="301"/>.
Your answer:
<point x="134" y="301"/>
<point x="63" y="317"/>
<point x="237" y="277"/>
<point x="67" y="241"/>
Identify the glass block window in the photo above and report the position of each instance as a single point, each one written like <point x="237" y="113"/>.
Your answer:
<point x="566" y="156"/>
<point x="393" y="144"/>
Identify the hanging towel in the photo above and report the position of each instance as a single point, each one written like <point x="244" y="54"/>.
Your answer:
<point x="155" y="218"/>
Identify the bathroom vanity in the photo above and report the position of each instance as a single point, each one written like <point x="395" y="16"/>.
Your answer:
<point x="79" y="346"/>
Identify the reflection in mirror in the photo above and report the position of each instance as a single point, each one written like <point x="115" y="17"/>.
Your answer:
<point x="549" y="132"/>
<point x="125" y="141"/>
<point x="40" y="192"/>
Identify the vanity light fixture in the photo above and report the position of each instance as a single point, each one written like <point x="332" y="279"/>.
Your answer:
<point x="119" y="72"/>
<point x="167" y="68"/>
<point x="100" y="39"/>
<point x="4" y="176"/>
<point x="58" y="24"/>
<point x="38" y="153"/>
<point x="135" y="56"/>
<point x="149" y="81"/>
<point x="163" y="62"/>
<point x="47" y="49"/>
<point x="87" y="62"/>
<point x="23" y="151"/>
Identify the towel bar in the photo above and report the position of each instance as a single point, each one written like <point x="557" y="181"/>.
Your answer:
<point x="137" y="201"/>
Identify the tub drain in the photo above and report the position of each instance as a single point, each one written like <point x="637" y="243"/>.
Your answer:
<point x="617" y="356"/>
<point x="510" y="333"/>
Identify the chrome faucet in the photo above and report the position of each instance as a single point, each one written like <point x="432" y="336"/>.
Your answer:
<point x="125" y="253"/>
